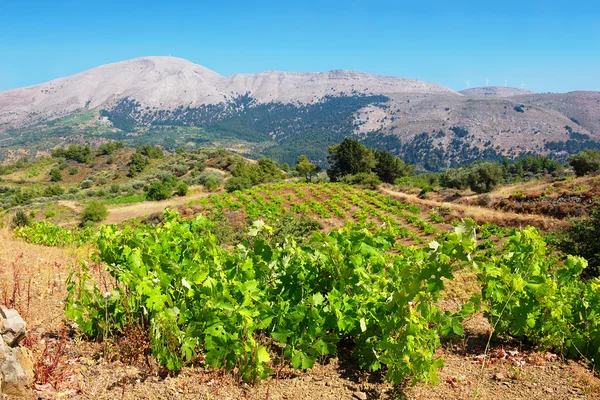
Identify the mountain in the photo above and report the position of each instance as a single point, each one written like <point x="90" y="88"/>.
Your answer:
<point x="494" y="91"/>
<point x="175" y="103"/>
<point x="169" y="82"/>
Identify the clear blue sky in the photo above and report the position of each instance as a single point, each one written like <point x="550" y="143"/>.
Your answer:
<point x="550" y="45"/>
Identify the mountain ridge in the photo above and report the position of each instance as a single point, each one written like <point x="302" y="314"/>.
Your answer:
<point x="170" y="82"/>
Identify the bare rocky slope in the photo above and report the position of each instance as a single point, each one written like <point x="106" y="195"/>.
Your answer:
<point x="169" y="82"/>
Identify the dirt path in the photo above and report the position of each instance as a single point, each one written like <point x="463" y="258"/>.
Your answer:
<point x="482" y="214"/>
<point x="120" y="213"/>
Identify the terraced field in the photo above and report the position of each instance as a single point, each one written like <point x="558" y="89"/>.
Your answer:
<point x="333" y="205"/>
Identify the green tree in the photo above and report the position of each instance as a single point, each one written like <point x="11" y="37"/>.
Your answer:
<point x="350" y="157"/>
<point x="306" y="169"/>
<point x="389" y="168"/>
<point x="585" y="162"/>
<point x="456" y="178"/>
<point x="137" y="164"/>
<point x="94" y="211"/>
<point x="484" y="176"/>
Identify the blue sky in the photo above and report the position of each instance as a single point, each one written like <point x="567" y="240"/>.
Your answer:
<point x="550" y="45"/>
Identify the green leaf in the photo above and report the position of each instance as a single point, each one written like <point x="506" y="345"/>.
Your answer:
<point x="262" y="355"/>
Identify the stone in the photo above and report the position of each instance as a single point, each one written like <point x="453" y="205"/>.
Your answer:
<point x="360" y="395"/>
<point x="12" y="327"/>
<point x="16" y="363"/>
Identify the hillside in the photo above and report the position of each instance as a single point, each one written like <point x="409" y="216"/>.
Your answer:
<point x="494" y="91"/>
<point x="169" y="82"/>
<point x="174" y="103"/>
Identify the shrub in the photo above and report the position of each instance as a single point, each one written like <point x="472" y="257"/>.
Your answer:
<point x="108" y="148"/>
<point x="159" y="191"/>
<point x="86" y="184"/>
<point x="585" y="162"/>
<point x="75" y="152"/>
<point x="485" y="176"/>
<point x="211" y="183"/>
<point x="237" y="183"/>
<point x="182" y="189"/>
<point x="55" y="175"/>
<point x="150" y="151"/>
<point x="72" y="171"/>
<point x="369" y="180"/>
<point x="178" y="169"/>
<point x="137" y="164"/>
<point x="20" y="219"/>
<point x="94" y="211"/>
<point x="456" y="178"/>
<point x="53" y="190"/>
<point x="581" y="239"/>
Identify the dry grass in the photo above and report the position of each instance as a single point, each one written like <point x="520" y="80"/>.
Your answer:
<point x="480" y="214"/>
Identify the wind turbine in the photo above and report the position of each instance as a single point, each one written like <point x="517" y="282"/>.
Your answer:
<point x="505" y="83"/>
<point x="467" y="82"/>
<point x="522" y="85"/>
<point x="487" y="81"/>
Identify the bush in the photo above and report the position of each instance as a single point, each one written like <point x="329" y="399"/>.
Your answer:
<point x="86" y="184"/>
<point x="237" y="183"/>
<point x="150" y="151"/>
<point x="181" y="190"/>
<point x="137" y="164"/>
<point x="55" y="175"/>
<point x="53" y="190"/>
<point x="369" y="180"/>
<point x="108" y="148"/>
<point x="20" y="219"/>
<point x="485" y="176"/>
<point x="159" y="191"/>
<point x="94" y="211"/>
<point x="585" y="162"/>
<point x="211" y="183"/>
<point x="75" y="152"/>
<point x="72" y="171"/>
<point x="456" y="178"/>
<point x="581" y="239"/>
